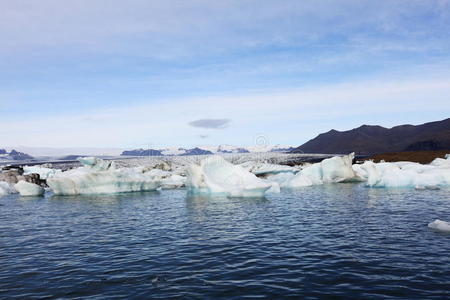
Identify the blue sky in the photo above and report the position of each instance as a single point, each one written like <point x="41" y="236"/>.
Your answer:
<point x="132" y="73"/>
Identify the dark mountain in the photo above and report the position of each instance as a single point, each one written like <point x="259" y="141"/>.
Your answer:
<point x="3" y="151"/>
<point x="196" y="151"/>
<point x="237" y="150"/>
<point x="289" y="149"/>
<point x="16" y="155"/>
<point x="142" y="152"/>
<point x="369" y="139"/>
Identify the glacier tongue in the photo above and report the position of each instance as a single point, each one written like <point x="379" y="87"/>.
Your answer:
<point x="101" y="177"/>
<point x="215" y="175"/>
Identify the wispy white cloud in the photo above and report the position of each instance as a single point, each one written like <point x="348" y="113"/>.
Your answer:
<point x="291" y="117"/>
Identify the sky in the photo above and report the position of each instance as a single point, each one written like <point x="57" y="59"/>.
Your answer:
<point x="138" y="73"/>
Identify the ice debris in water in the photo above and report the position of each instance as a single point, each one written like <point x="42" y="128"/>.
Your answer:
<point x="330" y="170"/>
<point x="29" y="189"/>
<point x="440" y="226"/>
<point x="405" y="174"/>
<point x="214" y="175"/>
<point x="101" y="177"/>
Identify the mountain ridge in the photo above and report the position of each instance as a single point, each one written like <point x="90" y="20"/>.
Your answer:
<point x="371" y="139"/>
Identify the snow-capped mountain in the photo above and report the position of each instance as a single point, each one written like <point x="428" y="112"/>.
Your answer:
<point x="14" y="155"/>
<point x="201" y="150"/>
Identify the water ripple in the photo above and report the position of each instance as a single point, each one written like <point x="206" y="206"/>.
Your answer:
<point x="333" y="241"/>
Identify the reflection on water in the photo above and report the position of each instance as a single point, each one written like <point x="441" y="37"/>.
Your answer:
<point x="338" y="240"/>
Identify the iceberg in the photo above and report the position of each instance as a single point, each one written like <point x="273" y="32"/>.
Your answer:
<point x="267" y="169"/>
<point x="5" y="189"/>
<point x="100" y="177"/>
<point x="440" y="226"/>
<point x="214" y="175"/>
<point x="29" y="189"/>
<point x="168" y="179"/>
<point x="406" y="174"/>
<point x="44" y="173"/>
<point x="330" y="170"/>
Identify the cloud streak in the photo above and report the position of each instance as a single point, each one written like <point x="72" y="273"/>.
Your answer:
<point x="210" y="123"/>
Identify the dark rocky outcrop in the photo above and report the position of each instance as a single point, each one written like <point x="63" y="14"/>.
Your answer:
<point x="13" y="174"/>
<point x="369" y="139"/>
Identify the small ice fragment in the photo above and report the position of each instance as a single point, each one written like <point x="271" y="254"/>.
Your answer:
<point x="440" y="226"/>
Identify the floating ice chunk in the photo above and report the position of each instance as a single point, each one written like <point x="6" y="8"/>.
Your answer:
<point x="338" y="168"/>
<point x="360" y="173"/>
<point x="96" y="163"/>
<point x="5" y="189"/>
<point x="44" y="173"/>
<point x="215" y="175"/>
<point x="275" y="188"/>
<point x="280" y="178"/>
<point x="29" y="189"/>
<point x="335" y="169"/>
<point x="100" y="177"/>
<point x="406" y="174"/>
<point x="440" y="226"/>
<point x="168" y="179"/>
<point x="267" y="169"/>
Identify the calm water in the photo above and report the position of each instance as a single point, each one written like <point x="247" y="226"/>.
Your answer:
<point x="343" y="240"/>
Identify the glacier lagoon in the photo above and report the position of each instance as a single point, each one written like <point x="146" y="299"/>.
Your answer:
<point x="343" y="240"/>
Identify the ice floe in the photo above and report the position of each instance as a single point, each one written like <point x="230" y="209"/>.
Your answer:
<point x="330" y="170"/>
<point x="215" y="175"/>
<point x="405" y="174"/>
<point x="440" y="226"/>
<point x="29" y="189"/>
<point x="102" y="177"/>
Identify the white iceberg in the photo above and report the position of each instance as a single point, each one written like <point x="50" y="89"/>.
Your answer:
<point x="215" y="175"/>
<point x="440" y="226"/>
<point x="330" y="170"/>
<point x="406" y="174"/>
<point x="29" y="189"/>
<point x="5" y="189"/>
<point x="43" y="172"/>
<point x="168" y="179"/>
<point x="101" y="177"/>
<point x="267" y="169"/>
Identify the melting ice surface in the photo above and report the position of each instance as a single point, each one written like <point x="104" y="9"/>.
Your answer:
<point x="102" y="177"/>
<point x="215" y="175"/>
<point x="405" y="174"/>
<point x="29" y="189"/>
<point x="330" y="170"/>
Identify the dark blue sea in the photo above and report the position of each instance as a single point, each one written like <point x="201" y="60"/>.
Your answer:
<point x="341" y="241"/>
